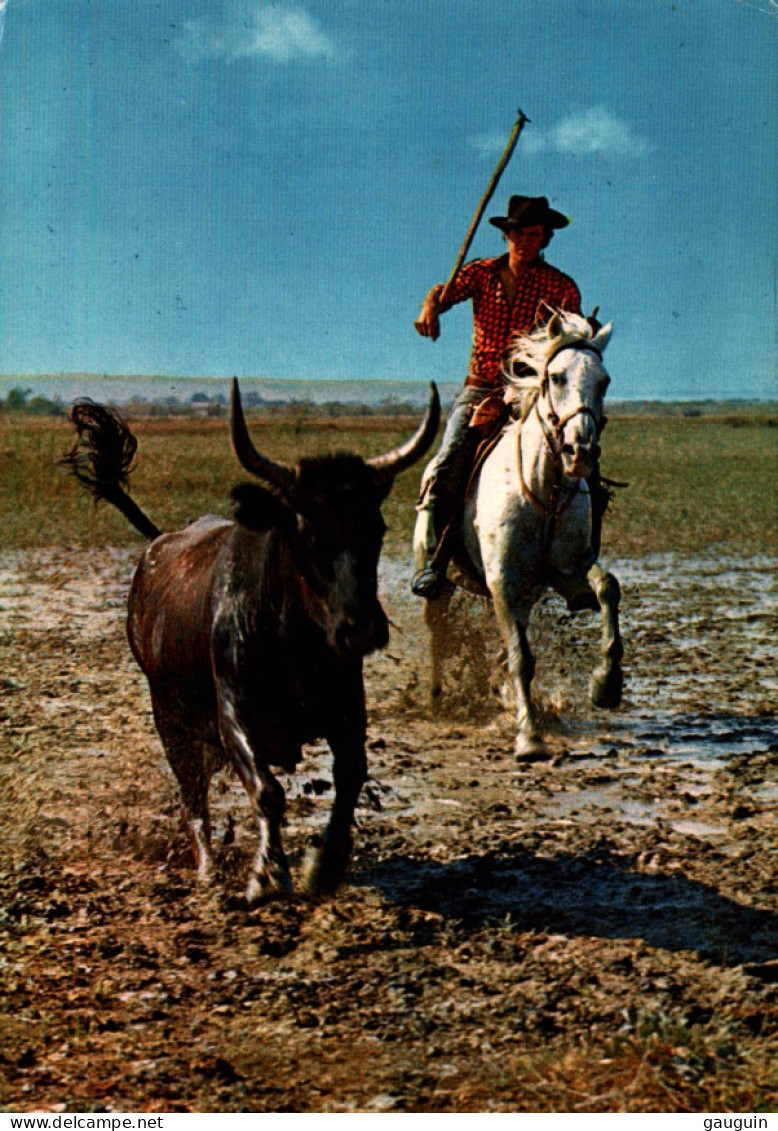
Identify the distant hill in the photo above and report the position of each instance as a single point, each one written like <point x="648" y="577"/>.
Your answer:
<point x="202" y="392"/>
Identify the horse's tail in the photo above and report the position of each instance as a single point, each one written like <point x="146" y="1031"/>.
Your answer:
<point x="103" y="458"/>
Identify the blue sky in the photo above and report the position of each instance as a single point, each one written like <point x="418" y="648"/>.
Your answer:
<point x="219" y="187"/>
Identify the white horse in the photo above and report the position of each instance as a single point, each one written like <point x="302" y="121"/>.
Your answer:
<point x="526" y="524"/>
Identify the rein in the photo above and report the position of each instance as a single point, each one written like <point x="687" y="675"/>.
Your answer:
<point x="556" y="423"/>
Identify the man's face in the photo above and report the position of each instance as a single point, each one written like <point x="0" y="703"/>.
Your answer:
<point x="525" y="243"/>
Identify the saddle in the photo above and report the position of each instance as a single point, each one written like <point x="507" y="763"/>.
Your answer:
<point x="488" y="419"/>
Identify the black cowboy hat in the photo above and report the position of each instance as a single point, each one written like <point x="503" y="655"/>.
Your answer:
<point x="528" y="211"/>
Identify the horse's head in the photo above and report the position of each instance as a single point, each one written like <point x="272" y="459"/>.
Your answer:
<point x="568" y="384"/>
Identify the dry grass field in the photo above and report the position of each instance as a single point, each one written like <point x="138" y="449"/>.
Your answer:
<point x="598" y="932"/>
<point x="695" y="482"/>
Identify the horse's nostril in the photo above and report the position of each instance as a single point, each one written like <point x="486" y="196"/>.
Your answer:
<point x="568" y="449"/>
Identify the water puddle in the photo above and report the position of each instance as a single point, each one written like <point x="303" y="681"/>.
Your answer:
<point x="705" y="738"/>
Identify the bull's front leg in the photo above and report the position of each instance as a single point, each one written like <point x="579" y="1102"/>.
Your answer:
<point x="607" y="679"/>
<point x="270" y="873"/>
<point x="328" y="862"/>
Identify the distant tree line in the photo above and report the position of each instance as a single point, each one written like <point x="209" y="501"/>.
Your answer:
<point x="22" y="400"/>
<point x="200" y="404"/>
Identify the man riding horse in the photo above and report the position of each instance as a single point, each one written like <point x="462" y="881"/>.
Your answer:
<point x="511" y="294"/>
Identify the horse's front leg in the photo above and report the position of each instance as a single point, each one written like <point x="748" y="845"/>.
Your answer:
<point x="521" y="666"/>
<point x="607" y="679"/>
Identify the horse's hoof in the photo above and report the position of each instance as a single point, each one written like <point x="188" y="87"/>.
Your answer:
<point x="530" y="749"/>
<point x="605" y="688"/>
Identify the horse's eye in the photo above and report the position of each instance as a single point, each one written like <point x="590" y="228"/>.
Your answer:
<point x="559" y="380"/>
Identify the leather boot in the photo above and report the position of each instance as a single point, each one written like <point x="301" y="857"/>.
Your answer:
<point x="428" y="581"/>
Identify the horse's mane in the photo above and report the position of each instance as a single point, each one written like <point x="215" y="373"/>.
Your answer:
<point x="524" y="358"/>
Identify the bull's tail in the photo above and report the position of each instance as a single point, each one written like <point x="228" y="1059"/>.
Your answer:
<point x="102" y="459"/>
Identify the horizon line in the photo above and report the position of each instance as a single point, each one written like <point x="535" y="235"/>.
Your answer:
<point x="6" y="378"/>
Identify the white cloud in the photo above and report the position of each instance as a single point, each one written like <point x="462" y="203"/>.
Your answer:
<point x="595" y="130"/>
<point x="251" y="30"/>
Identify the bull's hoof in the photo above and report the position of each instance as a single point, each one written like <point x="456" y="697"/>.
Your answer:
<point x="273" y="883"/>
<point x="606" y="686"/>
<point x="324" y="869"/>
<point x="530" y="748"/>
<point x="200" y="841"/>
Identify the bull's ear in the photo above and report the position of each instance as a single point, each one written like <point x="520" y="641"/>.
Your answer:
<point x="259" y="509"/>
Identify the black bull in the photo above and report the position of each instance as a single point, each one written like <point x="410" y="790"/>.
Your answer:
<point x="252" y="633"/>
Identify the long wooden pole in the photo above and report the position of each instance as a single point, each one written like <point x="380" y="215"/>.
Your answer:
<point x="498" y="172"/>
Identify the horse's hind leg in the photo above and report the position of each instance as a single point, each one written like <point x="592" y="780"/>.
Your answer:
<point x="607" y="679"/>
<point x="436" y="619"/>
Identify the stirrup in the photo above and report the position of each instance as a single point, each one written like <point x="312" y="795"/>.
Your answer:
<point x="427" y="582"/>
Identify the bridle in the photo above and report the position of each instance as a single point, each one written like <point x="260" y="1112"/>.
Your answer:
<point x="553" y="429"/>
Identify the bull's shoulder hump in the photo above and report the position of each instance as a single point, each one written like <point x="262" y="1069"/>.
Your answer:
<point x="208" y="524"/>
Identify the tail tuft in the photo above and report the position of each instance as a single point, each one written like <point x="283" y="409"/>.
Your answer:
<point x="103" y="456"/>
<point x="102" y="460"/>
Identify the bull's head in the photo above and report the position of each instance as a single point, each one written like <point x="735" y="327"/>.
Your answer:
<point x="329" y="511"/>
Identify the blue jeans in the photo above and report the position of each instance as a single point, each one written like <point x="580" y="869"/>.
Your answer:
<point x="445" y="479"/>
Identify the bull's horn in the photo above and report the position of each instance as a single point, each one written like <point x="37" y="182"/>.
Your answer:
<point x="392" y="463"/>
<point x="278" y="474"/>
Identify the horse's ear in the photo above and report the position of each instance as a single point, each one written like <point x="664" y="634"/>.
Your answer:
<point x="602" y="337"/>
<point x="594" y="321"/>
<point x="555" y="325"/>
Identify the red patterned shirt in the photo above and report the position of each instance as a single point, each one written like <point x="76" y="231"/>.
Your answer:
<point x="495" y="321"/>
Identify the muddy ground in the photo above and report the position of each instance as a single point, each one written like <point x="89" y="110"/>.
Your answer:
<point x="595" y="932"/>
